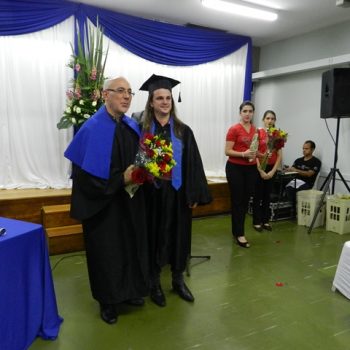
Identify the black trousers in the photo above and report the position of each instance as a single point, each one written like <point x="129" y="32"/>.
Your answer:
<point x="291" y="192"/>
<point x="241" y="180"/>
<point x="261" y="200"/>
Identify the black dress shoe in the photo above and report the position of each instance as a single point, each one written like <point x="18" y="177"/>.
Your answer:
<point x="135" y="302"/>
<point x="108" y="313"/>
<point x="157" y="295"/>
<point x="182" y="290"/>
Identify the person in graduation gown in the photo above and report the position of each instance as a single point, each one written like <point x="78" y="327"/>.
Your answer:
<point x="114" y="225"/>
<point x="170" y="202"/>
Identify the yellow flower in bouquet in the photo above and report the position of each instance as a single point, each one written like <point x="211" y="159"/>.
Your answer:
<point x="153" y="160"/>
<point x="276" y="139"/>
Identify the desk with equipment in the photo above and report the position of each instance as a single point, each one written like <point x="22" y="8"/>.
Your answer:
<point x="281" y="207"/>
<point x="28" y="306"/>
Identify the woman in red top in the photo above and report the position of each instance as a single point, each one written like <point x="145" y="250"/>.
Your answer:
<point x="261" y="202"/>
<point x="241" y="169"/>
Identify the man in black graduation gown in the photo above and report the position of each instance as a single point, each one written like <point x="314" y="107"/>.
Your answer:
<point x="170" y="203"/>
<point x="114" y="225"/>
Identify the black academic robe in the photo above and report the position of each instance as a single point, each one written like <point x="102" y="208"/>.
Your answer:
<point x="114" y="225"/>
<point x="169" y="215"/>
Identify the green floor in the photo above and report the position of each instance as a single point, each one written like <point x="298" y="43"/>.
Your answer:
<point x="238" y="304"/>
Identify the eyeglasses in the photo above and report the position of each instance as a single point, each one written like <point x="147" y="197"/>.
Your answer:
<point x="122" y="91"/>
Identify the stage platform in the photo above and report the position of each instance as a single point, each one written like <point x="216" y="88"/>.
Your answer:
<point x="26" y="204"/>
<point x="50" y="208"/>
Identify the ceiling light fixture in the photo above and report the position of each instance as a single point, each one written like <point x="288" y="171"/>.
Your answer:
<point x="240" y="10"/>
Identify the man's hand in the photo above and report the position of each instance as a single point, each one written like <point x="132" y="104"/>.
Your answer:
<point x="127" y="174"/>
<point x="289" y="168"/>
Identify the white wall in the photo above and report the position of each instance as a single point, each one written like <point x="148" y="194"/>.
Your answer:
<point x="296" y="99"/>
<point x="328" y="42"/>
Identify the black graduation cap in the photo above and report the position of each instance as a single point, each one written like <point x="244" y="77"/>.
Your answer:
<point x="155" y="82"/>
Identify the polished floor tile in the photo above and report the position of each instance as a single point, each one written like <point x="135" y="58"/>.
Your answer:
<point x="274" y="295"/>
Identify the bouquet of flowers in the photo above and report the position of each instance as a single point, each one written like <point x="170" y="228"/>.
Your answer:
<point x="84" y="97"/>
<point x="154" y="160"/>
<point x="276" y="138"/>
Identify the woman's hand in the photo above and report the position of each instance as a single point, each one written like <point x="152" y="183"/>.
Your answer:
<point x="265" y="176"/>
<point x="262" y="174"/>
<point x="260" y="155"/>
<point x="269" y="175"/>
<point x="249" y="154"/>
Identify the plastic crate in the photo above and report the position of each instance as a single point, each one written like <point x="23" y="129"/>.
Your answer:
<point x="307" y="203"/>
<point x="338" y="214"/>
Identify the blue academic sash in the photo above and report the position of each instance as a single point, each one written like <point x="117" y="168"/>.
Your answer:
<point x="176" y="173"/>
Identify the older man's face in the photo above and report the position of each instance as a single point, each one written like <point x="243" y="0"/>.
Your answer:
<point x="118" y="97"/>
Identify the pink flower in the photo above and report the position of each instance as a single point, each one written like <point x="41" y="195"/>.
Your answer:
<point x="77" y="93"/>
<point x="93" y="74"/>
<point x="77" y="67"/>
<point x="69" y="94"/>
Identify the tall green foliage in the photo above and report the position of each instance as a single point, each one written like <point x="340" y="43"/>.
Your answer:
<point x="84" y="96"/>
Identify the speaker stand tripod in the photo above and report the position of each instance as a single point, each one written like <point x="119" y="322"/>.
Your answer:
<point x="331" y="177"/>
<point x="190" y="257"/>
<point x="188" y="264"/>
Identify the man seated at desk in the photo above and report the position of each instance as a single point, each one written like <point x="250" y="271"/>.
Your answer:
<point x="306" y="169"/>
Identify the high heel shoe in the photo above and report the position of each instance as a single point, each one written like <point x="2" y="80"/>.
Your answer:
<point x="258" y="228"/>
<point x="267" y="227"/>
<point x="242" y="244"/>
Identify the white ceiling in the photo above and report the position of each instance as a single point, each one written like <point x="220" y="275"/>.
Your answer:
<point x="295" y="16"/>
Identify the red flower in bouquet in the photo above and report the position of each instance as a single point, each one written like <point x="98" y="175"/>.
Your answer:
<point x="276" y="140"/>
<point x="156" y="156"/>
<point x="139" y="176"/>
<point x="153" y="160"/>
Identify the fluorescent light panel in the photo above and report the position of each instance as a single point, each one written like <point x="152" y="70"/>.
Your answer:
<point x="240" y="10"/>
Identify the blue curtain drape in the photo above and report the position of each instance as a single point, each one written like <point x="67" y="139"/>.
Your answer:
<point x="27" y="16"/>
<point x="154" y="41"/>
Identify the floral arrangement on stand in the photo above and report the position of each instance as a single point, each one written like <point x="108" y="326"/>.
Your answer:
<point x="154" y="160"/>
<point x="276" y="139"/>
<point x="84" y="96"/>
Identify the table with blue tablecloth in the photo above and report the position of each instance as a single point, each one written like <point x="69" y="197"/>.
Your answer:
<point x="28" y="307"/>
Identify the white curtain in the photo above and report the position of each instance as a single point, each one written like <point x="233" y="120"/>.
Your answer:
<point x="34" y="79"/>
<point x="211" y="94"/>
